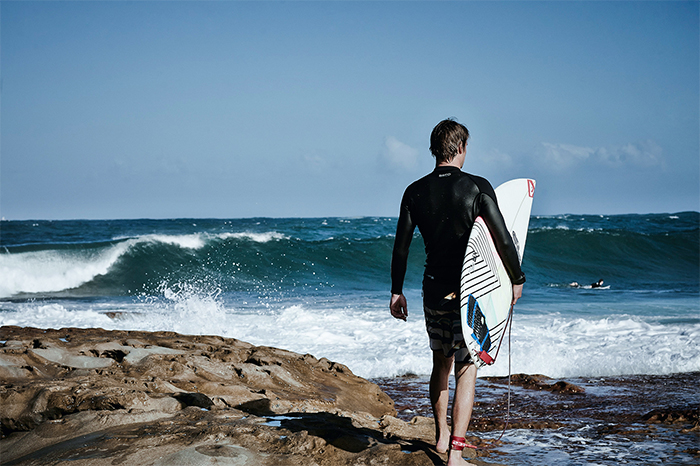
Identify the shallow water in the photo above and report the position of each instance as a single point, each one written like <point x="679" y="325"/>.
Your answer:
<point x="613" y="421"/>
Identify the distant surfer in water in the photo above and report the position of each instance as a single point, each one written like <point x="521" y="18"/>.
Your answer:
<point x="598" y="284"/>
<point x="444" y="205"/>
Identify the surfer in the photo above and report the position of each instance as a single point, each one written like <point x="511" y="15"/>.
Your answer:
<point x="598" y="284"/>
<point x="444" y="205"/>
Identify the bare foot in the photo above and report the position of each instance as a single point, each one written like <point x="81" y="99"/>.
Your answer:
<point x="443" y="444"/>
<point x="455" y="459"/>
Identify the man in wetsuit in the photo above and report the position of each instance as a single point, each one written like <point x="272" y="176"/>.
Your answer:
<point x="444" y="205"/>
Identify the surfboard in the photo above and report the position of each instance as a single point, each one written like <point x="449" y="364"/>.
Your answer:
<point x="486" y="291"/>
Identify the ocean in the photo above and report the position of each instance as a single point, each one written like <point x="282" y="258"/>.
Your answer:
<point x="321" y="286"/>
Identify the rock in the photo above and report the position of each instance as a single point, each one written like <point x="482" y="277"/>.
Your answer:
<point x="419" y="428"/>
<point x="99" y="397"/>
<point x="539" y="382"/>
<point x="64" y="358"/>
<point x="679" y="415"/>
<point x="565" y="387"/>
<point x="194" y="399"/>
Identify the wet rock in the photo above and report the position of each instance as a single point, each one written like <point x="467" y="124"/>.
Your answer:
<point x="539" y="382"/>
<point x="565" y="387"/>
<point x="682" y="415"/>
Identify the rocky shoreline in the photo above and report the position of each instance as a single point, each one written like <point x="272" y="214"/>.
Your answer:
<point x="98" y="397"/>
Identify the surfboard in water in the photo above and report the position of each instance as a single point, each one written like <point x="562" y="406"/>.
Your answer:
<point x="486" y="290"/>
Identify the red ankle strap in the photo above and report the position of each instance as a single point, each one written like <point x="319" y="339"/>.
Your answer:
<point x="459" y="443"/>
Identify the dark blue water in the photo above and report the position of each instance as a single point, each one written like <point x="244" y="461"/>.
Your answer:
<point x="654" y="253"/>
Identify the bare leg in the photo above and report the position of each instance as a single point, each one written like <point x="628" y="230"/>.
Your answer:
<point x="440" y="399"/>
<point x="465" y="375"/>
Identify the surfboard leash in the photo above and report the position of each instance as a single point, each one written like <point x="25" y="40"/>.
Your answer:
<point x="509" y="324"/>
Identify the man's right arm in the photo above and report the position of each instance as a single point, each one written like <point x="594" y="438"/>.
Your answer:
<point x="489" y="211"/>
<point x="399" y="261"/>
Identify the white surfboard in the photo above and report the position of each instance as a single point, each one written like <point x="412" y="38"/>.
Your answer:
<point x="486" y="290"/>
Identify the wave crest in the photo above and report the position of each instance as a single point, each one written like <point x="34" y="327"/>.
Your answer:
<point x="60" y="268"/>
<point x="55" y="270"/>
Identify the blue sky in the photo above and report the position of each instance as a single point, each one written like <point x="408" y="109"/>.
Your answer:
<point x="285" y="109"/>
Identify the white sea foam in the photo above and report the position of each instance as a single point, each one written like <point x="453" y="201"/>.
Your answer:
<point x="370" y="342"/>
<point x="256" y="237"/>
<point x="623" y="345"/>
<point x="194" y="241"/>
<point x="362" y="335"/>
<point x="54" y="315"/>
<point x="199" y="240"/>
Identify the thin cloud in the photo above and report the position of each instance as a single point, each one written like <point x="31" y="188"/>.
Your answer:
<point x="490" y="158"/>
<point x="564" y="156"/>
<point x="645" y="154"/>
<point x="398" y="156"/>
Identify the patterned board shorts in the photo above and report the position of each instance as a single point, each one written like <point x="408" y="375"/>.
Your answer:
<point x="445" y="332"/>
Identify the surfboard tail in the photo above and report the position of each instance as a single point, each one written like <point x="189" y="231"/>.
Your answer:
<point x="479" y="337"/>
<point x="484" y="356"/>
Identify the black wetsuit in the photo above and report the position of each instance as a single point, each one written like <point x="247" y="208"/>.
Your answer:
<point x="443" y="205"/>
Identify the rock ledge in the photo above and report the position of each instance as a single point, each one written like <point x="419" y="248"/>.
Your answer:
<point x="98" y="397"/>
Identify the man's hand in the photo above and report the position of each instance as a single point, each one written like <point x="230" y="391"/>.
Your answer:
<point x="399" y="307"/>
<point x="517" y="293"/>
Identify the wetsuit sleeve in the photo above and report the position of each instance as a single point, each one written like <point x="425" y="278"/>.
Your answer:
<point x="488" y="210"/>
<point x="399" y="257"/>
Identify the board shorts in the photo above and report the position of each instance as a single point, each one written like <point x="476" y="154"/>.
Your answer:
<point x="445" y="333"/>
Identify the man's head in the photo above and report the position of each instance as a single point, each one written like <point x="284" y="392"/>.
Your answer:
<point x="447" y="139"/>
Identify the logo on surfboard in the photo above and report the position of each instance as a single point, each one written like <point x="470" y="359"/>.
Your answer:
<point x="480" y="333"/>
<point x="531" y="188"/>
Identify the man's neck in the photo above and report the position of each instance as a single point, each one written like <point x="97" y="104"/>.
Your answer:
<point x="451" y="163"/>
<point x="457" y="161"/>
